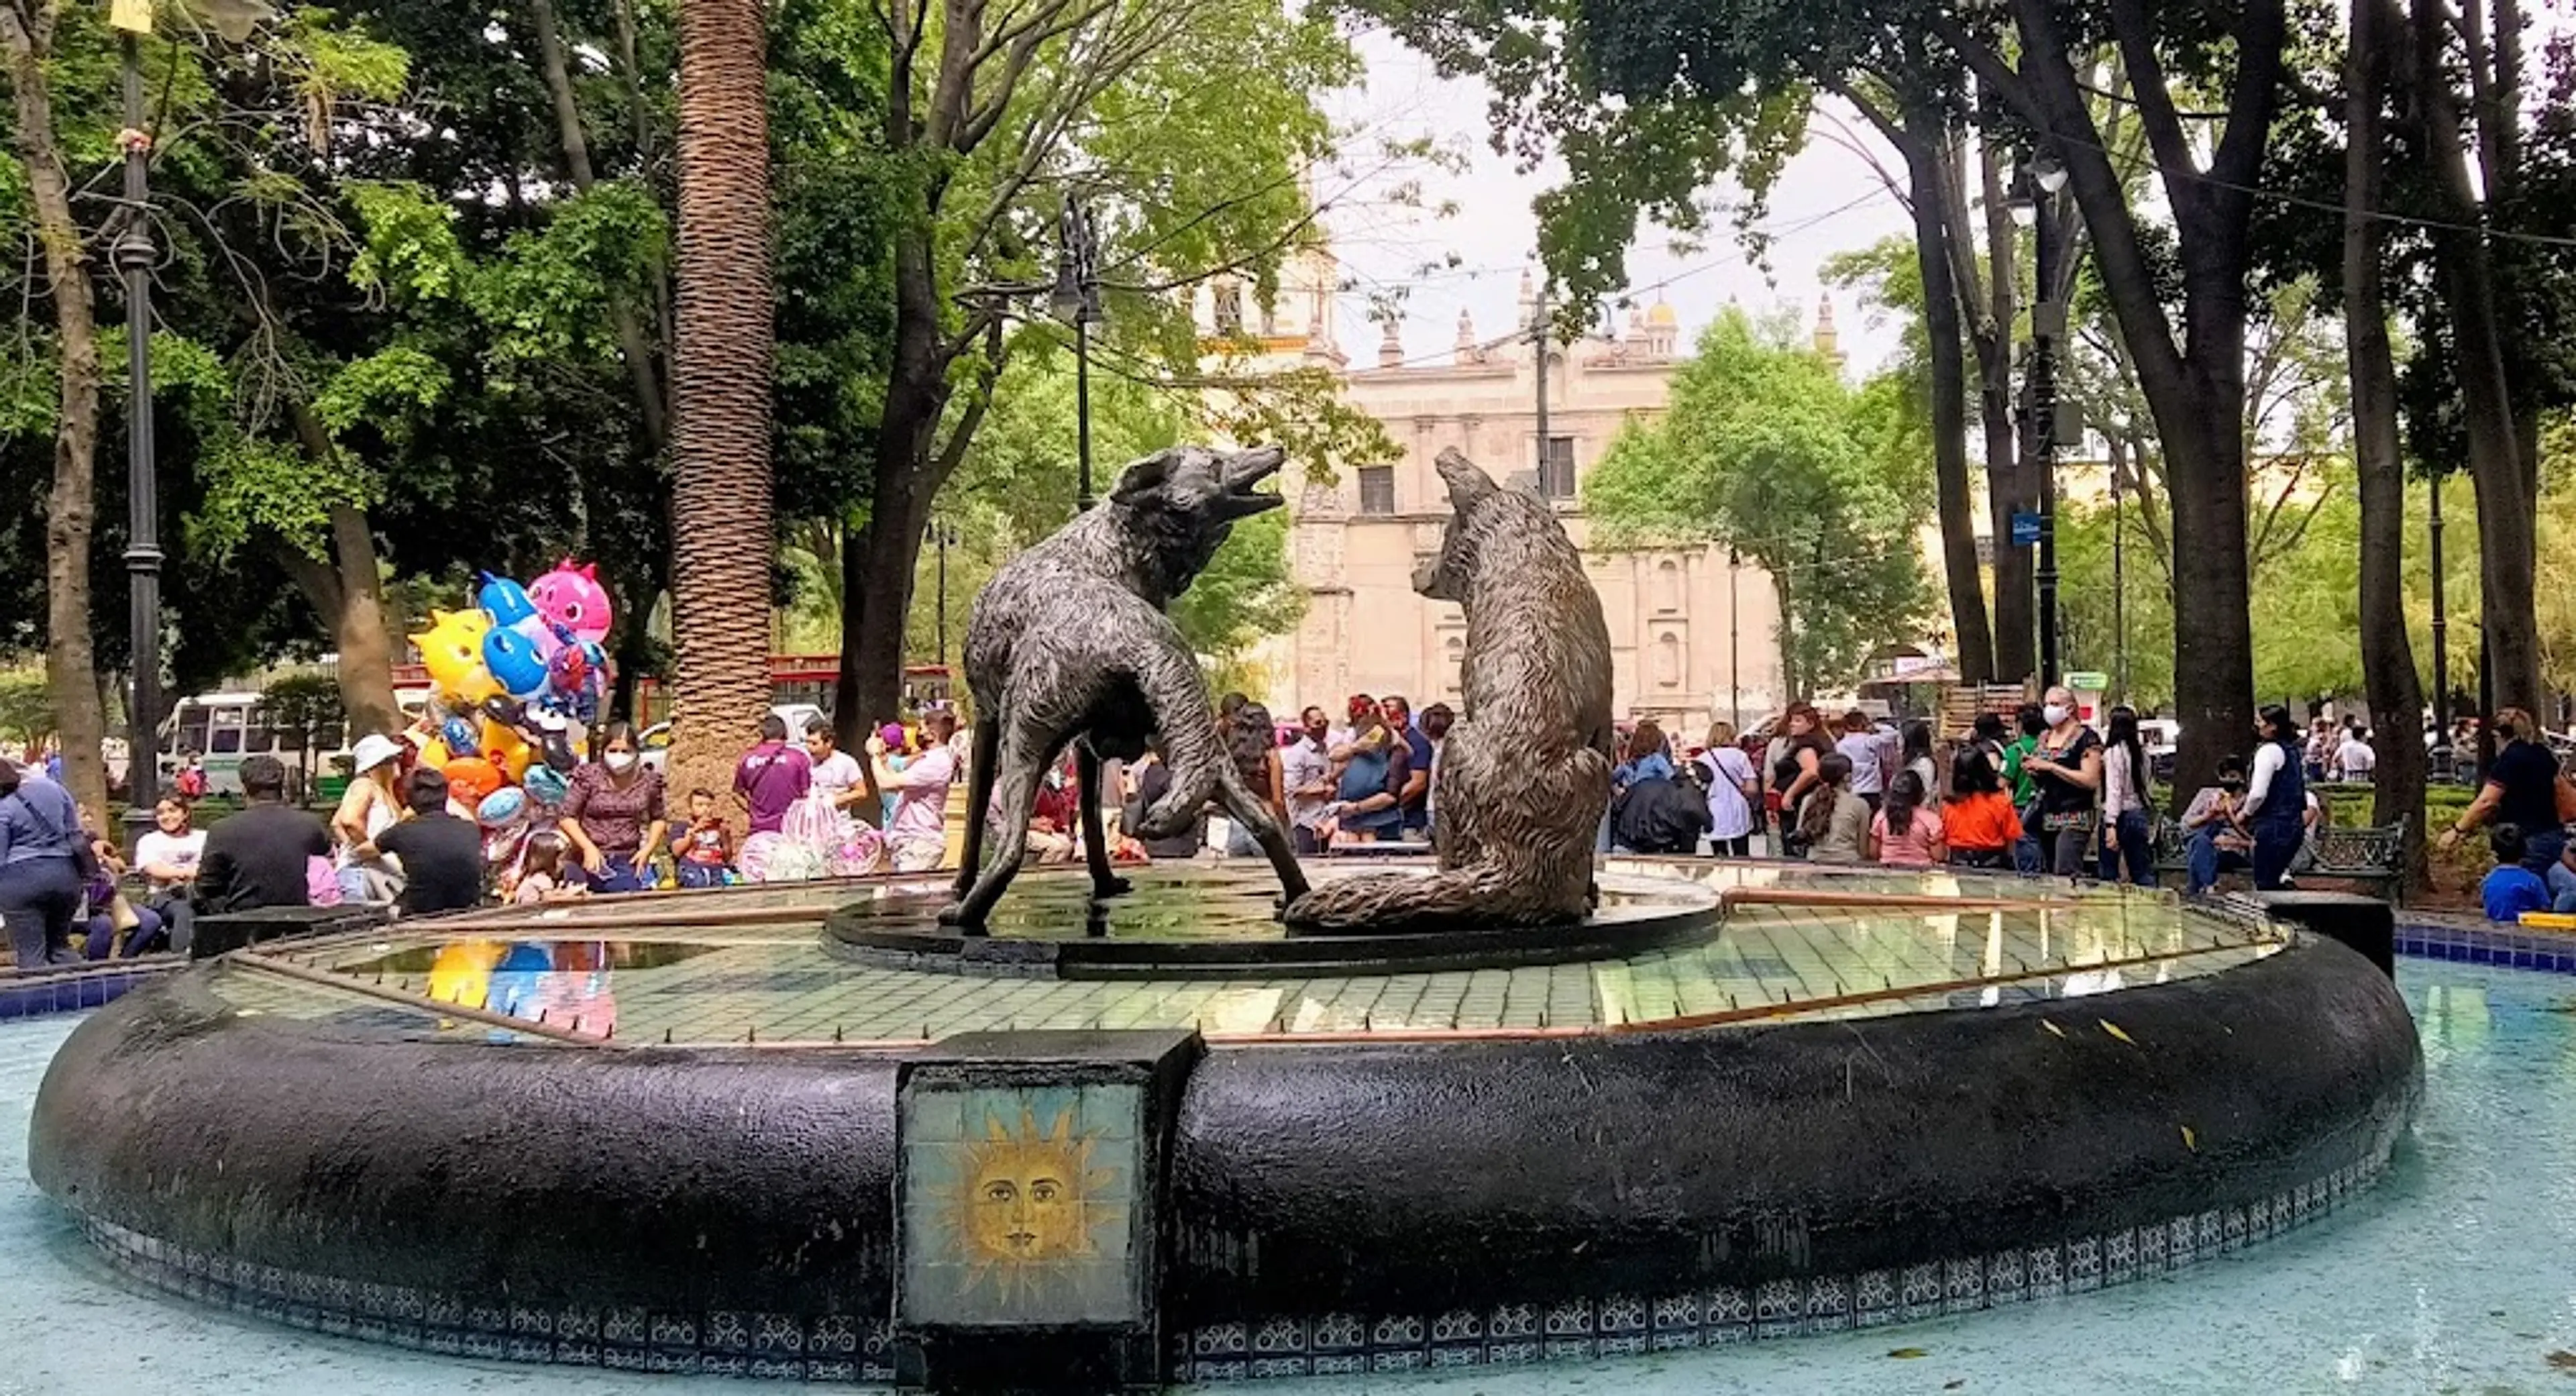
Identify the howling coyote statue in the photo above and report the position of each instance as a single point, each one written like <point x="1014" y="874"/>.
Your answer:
<point x="1525" y="772"/>
<point x="1069" y="643"/>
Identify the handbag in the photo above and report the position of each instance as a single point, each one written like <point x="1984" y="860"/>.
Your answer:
<point x="121" y="915"/>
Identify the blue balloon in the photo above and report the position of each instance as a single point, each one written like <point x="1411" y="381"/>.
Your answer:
<point x="505" y="599"/>
<point x="457" y="735"/>
<point x="547" y="786"/>
<point x="514" y="662"/>
<point x="502" y="808"/>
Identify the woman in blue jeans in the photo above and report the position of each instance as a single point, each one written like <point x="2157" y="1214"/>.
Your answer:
<point x="2127" y="837"/>
<point x="40" y="888"/>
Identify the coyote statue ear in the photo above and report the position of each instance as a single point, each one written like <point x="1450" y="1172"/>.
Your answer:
<point x="1467" y="484"/>
<point x="1143" y="476"/>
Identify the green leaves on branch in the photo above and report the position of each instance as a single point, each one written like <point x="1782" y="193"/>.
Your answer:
<point x="1764" y="450"/>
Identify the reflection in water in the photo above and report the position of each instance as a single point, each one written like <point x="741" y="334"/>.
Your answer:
<point x="563" y="984"/>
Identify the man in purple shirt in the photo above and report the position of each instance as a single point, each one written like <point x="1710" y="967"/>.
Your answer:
<point x="773" y="776"/>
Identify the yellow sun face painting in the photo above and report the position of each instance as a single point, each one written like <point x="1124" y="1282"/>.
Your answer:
<point x="1022" y="1213"/>
<point x="1024" y="1196"/>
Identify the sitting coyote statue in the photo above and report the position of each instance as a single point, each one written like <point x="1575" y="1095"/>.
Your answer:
<point x="1069" y="643"/>
<point x="1525" y="772"/>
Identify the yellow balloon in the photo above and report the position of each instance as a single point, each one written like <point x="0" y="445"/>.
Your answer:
<point x="462" y="973"/>
<point x="434" y="754"/>
<point x="507" y="750"/>
<point x="452" y="651"/>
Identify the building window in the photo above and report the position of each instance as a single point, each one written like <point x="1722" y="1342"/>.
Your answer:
<point x="1556" y="468"/>
<point x="1377" y="489"/>
<point x="1229" y="308"/>
<point x="1668" y="586"/>
<point x="1668" y="660"/>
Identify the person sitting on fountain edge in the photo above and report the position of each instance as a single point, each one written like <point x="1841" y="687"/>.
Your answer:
<point x="257" y="858"/>
<point x="442" y="855"/>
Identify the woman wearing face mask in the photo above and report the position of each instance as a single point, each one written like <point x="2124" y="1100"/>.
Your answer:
<point x="2523" y="788"/>
<point x="2065" y="771"/>
<point x="614" y="815"/>
<point x="2275" y="811"/>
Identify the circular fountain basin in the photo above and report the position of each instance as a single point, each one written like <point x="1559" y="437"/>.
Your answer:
<point x="707" y="1134"/>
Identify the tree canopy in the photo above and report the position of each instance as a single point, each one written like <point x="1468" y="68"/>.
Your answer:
<point x="1764" y="450"/>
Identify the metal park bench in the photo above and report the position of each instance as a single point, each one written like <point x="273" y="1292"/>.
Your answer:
<point x="2372" y="855"/>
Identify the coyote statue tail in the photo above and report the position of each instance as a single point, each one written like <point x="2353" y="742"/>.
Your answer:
<point x="1525" y="771"/>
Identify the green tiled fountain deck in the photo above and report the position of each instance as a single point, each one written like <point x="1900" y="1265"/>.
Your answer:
<point x="763" y="976"/>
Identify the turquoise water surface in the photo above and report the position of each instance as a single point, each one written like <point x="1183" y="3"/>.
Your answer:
<point x="2456" y="1275"/>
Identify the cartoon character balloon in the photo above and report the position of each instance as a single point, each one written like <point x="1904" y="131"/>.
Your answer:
<point x="452" y="650"/>
<point x="505" y="748"/>
<point x="514" y="663"/>
<point x="470" y="778"/>
<point x="457" y="735"/>
<point x="504" y="600"/>
<point x="572" y="597"/>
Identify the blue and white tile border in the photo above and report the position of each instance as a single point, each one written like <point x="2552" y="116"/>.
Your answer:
<point x="2549" y="952"/>
<point x="1620" y="1325"/>
<point x="848" y="1348"/>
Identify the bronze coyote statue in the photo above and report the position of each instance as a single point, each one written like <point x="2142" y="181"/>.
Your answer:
<point x="1525" y="772"/>
<point x="1069" y="643"/>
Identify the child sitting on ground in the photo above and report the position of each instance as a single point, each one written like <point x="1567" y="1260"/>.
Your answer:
<point x="704" y="850"/>
<point x="541" y="871"/>
<point x="2511" y="889"/>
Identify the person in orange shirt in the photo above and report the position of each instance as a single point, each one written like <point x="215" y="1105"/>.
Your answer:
<point x="1979" y="820"/>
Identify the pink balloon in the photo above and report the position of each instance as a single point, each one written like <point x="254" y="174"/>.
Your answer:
<point x="572" y="597"/>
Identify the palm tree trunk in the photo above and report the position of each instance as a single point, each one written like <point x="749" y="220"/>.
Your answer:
<point x="720" y="502"/>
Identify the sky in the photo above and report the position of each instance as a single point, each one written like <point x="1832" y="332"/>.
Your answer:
<point x="1829" y="200"/>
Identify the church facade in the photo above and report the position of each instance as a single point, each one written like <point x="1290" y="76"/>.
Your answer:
<point x="1692" y="632"/>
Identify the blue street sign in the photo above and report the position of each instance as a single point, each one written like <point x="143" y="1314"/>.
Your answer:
<point x="2025" y="528"/>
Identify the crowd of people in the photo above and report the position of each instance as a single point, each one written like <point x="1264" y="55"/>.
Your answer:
<point x="2045" y="792"/>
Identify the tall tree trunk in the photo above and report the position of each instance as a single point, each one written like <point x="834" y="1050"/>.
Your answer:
<point x="2007" y="493"/>
<point x="2387" y="656"/>
<point x="345" y="586"/>
<point x="877" y="565"/>
<point x="2195" y="387"/>
<point x="71" y="669"/>
<point x="2507" y="485"/>
<point x="720" y="504"/>
<point x="1941" y="326"/>
<point x="365" y="640"/>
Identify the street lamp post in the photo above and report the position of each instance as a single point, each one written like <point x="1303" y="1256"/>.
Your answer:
<point x="943" y="536"/>
<point x="1076" y="298"/>
<point x="2035" y="201"/>
<point x="2443" y="755"/>
<point x="133" y="255"/>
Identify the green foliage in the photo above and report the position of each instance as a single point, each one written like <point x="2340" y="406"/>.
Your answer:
<point x="304" y="708"/>
<point x="26" y="708"/>
<point x="1764" y="450"/>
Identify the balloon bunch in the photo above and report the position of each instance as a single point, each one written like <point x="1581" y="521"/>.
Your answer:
<point x="514" y="678"/>
<point x="538" y="644"/>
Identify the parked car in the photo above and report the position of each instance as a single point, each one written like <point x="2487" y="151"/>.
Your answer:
<point x="656" y="739"/>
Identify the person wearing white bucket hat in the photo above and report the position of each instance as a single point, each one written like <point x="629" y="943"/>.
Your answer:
<point x="370" y="807"/>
